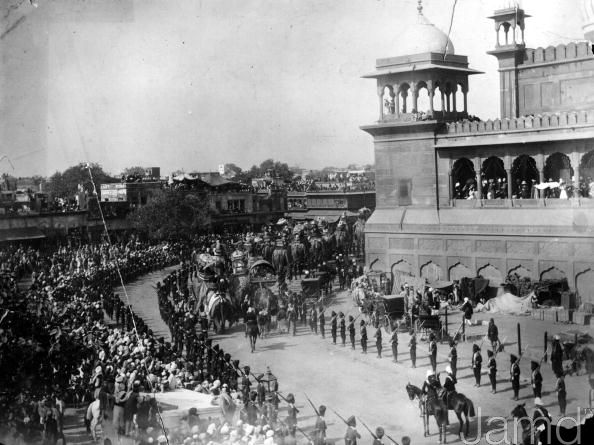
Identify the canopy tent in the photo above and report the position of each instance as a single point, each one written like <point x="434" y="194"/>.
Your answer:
<point x="507" y="304"/>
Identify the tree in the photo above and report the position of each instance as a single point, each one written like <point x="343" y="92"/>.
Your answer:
<point x="172" y="214"/>
<point x="280" y="169"/>
<point x="65" y="184"/>
<point x="134" y="171"/>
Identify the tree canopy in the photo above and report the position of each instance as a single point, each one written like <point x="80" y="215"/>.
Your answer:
<point x="172" y="214"/>
<point x="65" y="184"/>
<point x="280" y="169"/>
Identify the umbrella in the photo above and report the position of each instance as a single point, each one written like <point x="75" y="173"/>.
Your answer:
<point x="281" y="222"/>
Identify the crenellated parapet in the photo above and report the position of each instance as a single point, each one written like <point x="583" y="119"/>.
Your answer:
<point x="552" y="120"/>
<point x="559" y="53"/>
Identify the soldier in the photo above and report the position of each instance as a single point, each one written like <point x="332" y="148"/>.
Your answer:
<point x="313" y="319"/>
<point x="245" y="383"/>
<point x="431" y="383"/>
<point x="433" y="352"/>
<point x="514" y="376"/>
<point x="536" y="379"/>
<point x="379" y="433"/>
<point x="351" y="435"/>
<point x="333" y="326"/>
<point x="352" y="331"/>
<point x="557" y="356"/>
<point x="477" y="364"/>
<point x="394" y="343"/>
<point x="378" y="340"/>
<point x="492" y="365"/>
<point x="561" y="394"/>
<point x="363" y="333"/>
<point x="453" y="357"/>
<point x="449" y="384"/>
<point x="322" y="321"/>
<point x="342" y="325"/>
<point x="291" y="411"/>
<point x="412" y="347"/>
<point x="493" y="335"/>
<point x="320" y="429"/>
<point x="303" y="310"/>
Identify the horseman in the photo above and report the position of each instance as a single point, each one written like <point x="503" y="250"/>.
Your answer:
<point x="251" y="327"/>
<point x="431" y="388"/>
<point x="449" y="385"/>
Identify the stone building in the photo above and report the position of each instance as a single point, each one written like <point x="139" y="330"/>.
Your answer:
<point x="459" y="197"/>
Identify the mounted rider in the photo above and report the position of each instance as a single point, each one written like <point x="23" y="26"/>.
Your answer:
<point x="449" y="385"/>
<point x="431" y="387"/>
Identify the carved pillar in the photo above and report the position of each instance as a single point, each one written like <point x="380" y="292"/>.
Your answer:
<point x="539" y="160"/>
<point x="452" y="185"/>
<point x="576" y="159"/>
<point x="442" y="98"/>
<point x="431" y="93"/>
<point x="415" y="97"/>
<point x="397" y="101"/>
<point x="381" y="102"/>
<point x="508" y="171"/>
<point x="479" y="181"/>
<point x="404" y="95"/>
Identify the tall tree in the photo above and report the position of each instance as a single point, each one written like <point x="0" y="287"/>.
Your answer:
<point x="172" y="214"/>
<point x="65" y="184"/>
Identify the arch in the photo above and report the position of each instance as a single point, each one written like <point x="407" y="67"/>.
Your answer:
<point x="459" y="271"/>
<point x="520" y="271"/>
<point x="584" y="285"/>
<point x="491" y="273"/>
<point x="464" y="178"/>
<point x="402" y="271"/>
<point x="423" y="99"/>
<point x="388" y="100"/>
<point x="587" y="167"/>
<point x="552" y="273"/>
<point x="459" y="93"/>
<point x="558" y="166"/>
<point x="524" y="176"/>
<point x="403" y="93"/>
<point x="494" y="178"/>
<point x="437" y="92"/>
<point x="431" y="271"/>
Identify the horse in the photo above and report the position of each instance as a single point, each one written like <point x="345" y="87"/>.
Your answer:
<point x="430" y="404"/>
<point x="552" y="434"/>
<point x="252" y="333"/>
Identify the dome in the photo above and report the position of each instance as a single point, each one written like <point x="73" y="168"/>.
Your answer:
<point x="423" y="37"/>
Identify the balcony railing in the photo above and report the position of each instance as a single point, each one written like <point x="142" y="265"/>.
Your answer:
<point x="523" y="203"/>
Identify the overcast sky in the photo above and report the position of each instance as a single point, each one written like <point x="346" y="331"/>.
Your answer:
<point x="189" y="84"/>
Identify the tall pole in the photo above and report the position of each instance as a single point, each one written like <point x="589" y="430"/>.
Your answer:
<point x="519" y="341"/>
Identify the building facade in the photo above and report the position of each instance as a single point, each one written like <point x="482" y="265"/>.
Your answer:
<point x="459" y="197"/>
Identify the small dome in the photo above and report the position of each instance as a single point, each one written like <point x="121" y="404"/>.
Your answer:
<point x="423" y="37"/>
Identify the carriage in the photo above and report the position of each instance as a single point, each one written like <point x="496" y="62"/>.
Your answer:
<point x="428" y="324"/>
<point x="311" y="288"/>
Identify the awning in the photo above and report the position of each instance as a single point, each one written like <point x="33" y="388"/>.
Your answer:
<point x="21" y="233"/>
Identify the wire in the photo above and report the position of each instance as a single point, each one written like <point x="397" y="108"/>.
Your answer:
<point x="450" y="29"/>
<point x="117" y="264"/>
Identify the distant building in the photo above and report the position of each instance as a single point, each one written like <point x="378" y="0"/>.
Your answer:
<point x="458" y="197"/>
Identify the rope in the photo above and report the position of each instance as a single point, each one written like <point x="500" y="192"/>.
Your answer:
<point x="445" y="51"/>
<point x="117" y="264"/>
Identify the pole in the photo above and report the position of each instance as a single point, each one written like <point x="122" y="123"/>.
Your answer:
<point x="446" y="321"/>
<point x="463" y="328"/>
<point x="545" y="346"/>
<point x="519" y="341"/>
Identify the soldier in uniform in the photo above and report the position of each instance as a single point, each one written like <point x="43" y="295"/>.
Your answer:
<point x="561" y="394"/>
<point x="322" y="321"/>
<point x="291" y="411"/>
<point x="412" y="347"/>
<point x="313" y="319"/>
<point x="536" y="379"/>
<point x="449" y="384"/>
<point x="492" y="366"/>
<point x="363" y="333"/>
<point x="320" y="429"/>
<point x="477" y="364"/>
<point x="557" y="356"/>
<point x="433" y="352"/>
<point x="333" y="326"/>
<point x="379" y="434"/>
<point x="352" y="331"/>
<point x="394" y="343"/>
<point x="514" y="376"/>
<point x="351" y="435"/>
<point x="378" y="340"/>
<point x="453" y="357"/>
<point x="342" y="325"/>
<point x="245" y="383"/>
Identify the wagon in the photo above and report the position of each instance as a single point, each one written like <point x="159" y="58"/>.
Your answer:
<point x="430" y="324"/>
<point x="311" y="288"/>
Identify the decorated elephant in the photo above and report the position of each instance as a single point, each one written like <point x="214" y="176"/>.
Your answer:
<point x="281" y="261"/>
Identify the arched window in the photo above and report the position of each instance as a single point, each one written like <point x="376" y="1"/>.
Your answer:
<point x="494" y="179"/>
<point x="388" y="100"/>
<point x="557" y="167"/>
<point x="437" y="98"/>
<point x="524" y="177"/>
<point x="464" y="178"/>
<point x="423" y="100"/>
<point x="404" y="103"/>
<point x="459" y="99"/>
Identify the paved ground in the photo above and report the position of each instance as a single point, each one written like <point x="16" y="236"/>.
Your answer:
<point x="372" y="388"/>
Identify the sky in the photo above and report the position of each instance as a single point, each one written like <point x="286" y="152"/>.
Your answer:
<point x="189" y="84"/>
